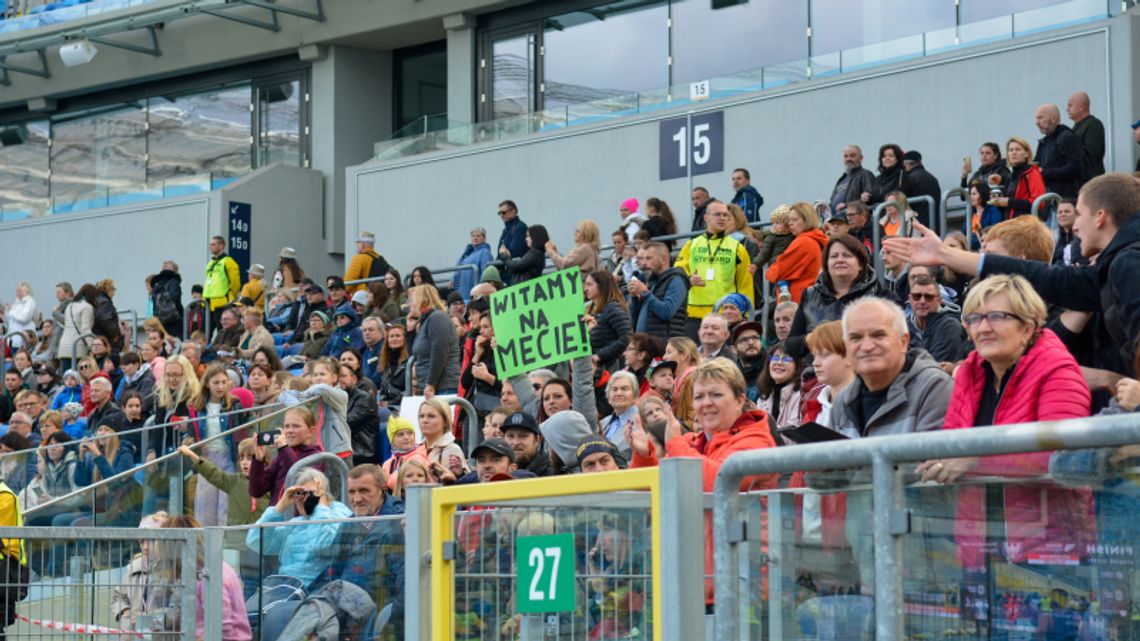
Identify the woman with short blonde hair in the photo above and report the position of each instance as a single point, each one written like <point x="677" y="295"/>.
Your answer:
<point x="587" y="248"/>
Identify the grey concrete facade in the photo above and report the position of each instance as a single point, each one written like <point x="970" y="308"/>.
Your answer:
<point x="791" y="138"/>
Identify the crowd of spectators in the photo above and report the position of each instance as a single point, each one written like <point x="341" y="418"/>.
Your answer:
<point x="1003" y="321"/>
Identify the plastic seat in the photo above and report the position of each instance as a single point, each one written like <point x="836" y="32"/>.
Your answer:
<point x="278" y="338"/>
<point x="280" y="350"/>
<point x="293" y="349"/>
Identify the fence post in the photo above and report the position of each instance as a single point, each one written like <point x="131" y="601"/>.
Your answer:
<point x="417" y="563"/>
<point x="888" y="574"/>
<point x="877" y="236"/>
<point x="134" y="316"/>
<point x="74" y="349"/>
<point x="212" y="594"/>
<point x="189" y="585"/>
<point x="682" y="516"/>
<point x="935" y="214"/>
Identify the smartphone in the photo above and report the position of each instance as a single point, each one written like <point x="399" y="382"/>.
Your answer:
<point x="267" y="438"/>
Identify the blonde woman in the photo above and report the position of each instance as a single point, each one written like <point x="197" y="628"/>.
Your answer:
<point x="445" y="461"/>
<point x="177" y="389"/>
<point x="587" y="249"/>
<point x="436" y="348"/>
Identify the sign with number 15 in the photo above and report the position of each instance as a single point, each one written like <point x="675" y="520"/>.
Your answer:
<point x="691" y="146"/>
<point x="544" y="567"/>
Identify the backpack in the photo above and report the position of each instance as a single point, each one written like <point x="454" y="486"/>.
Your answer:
<point x="164" y="308"/>
<point x="379" y="266"/>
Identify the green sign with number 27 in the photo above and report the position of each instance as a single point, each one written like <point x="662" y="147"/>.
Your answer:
<point x="544" y="567"/>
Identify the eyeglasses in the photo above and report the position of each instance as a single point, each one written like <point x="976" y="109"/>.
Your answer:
<point x="537" y="386"/>
<point x="995" y="318"/>
<point x="930" y="298"/>
<point x="749" y="339"/>
<point x="504" y="212"/>
<point x="83" y="367"/>
<point x="781" y="360"/>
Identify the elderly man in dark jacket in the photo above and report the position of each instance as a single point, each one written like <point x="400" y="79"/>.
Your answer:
<point x="1060" y="154"/>
<point x="916" y="181"/>
<point x="856" y="183"/>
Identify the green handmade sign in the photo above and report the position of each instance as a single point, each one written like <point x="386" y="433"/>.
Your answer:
<point x="544" y="566"/>
<point x="538" y="323"/>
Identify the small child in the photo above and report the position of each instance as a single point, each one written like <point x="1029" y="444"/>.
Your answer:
<point x="777" y="240"/>
<point x="73" y="422"/>
<point x="402" y="436"/>
<point x="661" y="378"/>
<point x="241" y="509"/>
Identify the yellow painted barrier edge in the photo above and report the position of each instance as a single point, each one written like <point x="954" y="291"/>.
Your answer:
<point x="445" y="499"/>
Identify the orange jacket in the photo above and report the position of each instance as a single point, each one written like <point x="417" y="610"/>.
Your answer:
<point x="750" y="432"/>
<point x="800" y="263"/>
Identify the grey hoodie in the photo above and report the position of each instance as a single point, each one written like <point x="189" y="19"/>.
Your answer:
<point x="562" y="433"/>
<point x="335" y="435"/>
<point x="916" y="401"/>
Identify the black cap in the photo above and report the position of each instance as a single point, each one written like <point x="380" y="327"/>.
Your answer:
<point x="912" y="155"/>
<point x="745" y="326"/>
<point x="454" y="297"/>
<point x="660" y="365"/>
<point x="314" y="289"/>
<point x="838" y="218"/>
<point x="592" y="445"/>
<point x="496" y="445"/>
<point x="336" y="283"/>
<point x="521" y="420"/>
<point x="46" y="369"/>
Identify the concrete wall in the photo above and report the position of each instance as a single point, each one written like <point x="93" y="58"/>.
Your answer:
<point x="352" y="109"/>
<point x="790" y="138"/>
<point x="124" y="243"/>
<point x="284" y="212"/>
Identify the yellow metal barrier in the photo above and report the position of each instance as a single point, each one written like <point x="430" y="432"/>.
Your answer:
<point x="444" y="501"/>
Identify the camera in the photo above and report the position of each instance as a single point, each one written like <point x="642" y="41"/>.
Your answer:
<point x="267" y="438"/>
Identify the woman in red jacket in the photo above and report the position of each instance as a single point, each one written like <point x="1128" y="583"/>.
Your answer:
<point x="800" y="263"/>
<point x="1025" y="182"/>
<point x="1019" y="373"/>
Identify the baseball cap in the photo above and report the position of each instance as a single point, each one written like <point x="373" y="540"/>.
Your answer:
<point x="454" y="297"/>
<point x="592" y="445"/>
<point x="523" y="420"/>
<point x="496" y="445"/>
<point x="360" y="297"/>
<point x="660" y="364"/>
<point x="838" y="218"/>
<point x="336" y="283"/>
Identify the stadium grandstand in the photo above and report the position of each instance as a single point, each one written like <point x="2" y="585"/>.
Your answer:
<point x="464" y="320"/>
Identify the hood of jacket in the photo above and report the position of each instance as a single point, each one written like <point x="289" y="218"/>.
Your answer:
<point x="345" y="309"/>
<point x="562" y="433"/>
<point x="816" y="236"/>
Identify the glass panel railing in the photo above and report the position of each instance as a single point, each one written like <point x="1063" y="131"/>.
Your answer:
<point x="114" y="196"/>
<point x="407" y="142"/>
<point x="1046" y="557"/>
<point x="50" y="13"/>
<point x="356" y="563"/>
<point x="806" y="570"/>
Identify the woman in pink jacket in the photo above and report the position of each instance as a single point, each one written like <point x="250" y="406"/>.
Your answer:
<point x="1018" y="373"/>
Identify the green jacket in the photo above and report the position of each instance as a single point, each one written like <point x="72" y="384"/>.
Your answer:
<point x="242" y="510"/>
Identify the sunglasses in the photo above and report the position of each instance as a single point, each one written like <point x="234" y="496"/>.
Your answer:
<point x="930" y="298"/>
<point x="781" y="360"/>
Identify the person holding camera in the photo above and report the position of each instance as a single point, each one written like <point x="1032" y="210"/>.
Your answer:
<point x="302" y="550"/>
<point x="296" y="440"/>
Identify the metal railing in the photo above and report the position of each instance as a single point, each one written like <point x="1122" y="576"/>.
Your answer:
<point x="72" y="586"/>
<point x="882" y="453"/>
<point x="75" y="347"/>
<point x="1053" y="200"/>
<point x="174" y="456"/>
<point x="4" y="350"/>
<point x="322" y="458"/>
<point x="944" y="212"/>
<point x="134" y="316"/>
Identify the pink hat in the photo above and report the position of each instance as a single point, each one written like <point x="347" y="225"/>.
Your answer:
<point x="630" y="204"/>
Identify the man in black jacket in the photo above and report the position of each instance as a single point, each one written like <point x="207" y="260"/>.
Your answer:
<point x="856" y="183"/>
<point x="1109" y="228"/>
<point x="701" y="200"/>
<point x="1060" y="154"/>
<point x="166" y="296"/>
<point x="941" y="329"/>
<point x="658" y="307"/>
<point x="363" y="418"/>
<point x="1090" y="130"/>
<point x="524" y="437"/>
<point x="916" y="181"/>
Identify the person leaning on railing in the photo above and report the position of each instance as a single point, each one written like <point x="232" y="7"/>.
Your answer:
<point x="1020" y="372"/>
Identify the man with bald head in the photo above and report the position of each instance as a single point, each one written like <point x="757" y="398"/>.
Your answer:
<point x="1090" y="130"/>
<point x="856" y="183"/>
<point x="1060" y="154"/>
